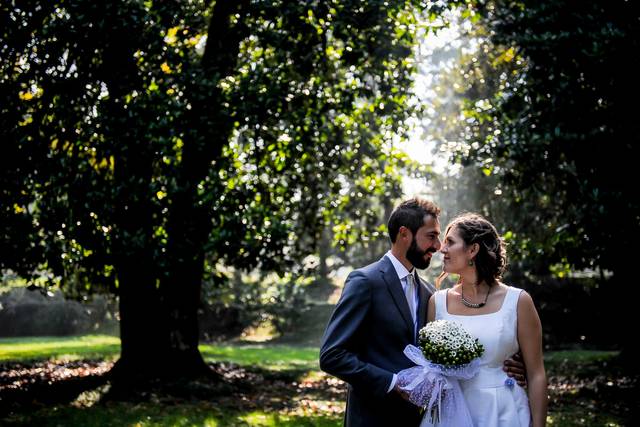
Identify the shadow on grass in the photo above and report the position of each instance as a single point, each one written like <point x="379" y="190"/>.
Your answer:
<point x="592" y="388"/>
<point x="163" y="414"/>
<point x="246" y="396"/>
<point x="268" y="385"/>
<point x="24" y="386"/>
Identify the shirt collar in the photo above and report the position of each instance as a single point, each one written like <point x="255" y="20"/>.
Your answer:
<point x="401" y="270"/>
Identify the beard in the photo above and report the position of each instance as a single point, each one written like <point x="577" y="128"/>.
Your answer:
<point x="416" y="256"/>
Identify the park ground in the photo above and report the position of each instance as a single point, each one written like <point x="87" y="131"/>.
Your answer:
<point x="60" y="381"/>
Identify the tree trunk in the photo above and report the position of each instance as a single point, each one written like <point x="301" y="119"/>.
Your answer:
<point x="144" y="342"/>
<point x="159" y="336"/>
<point x="622" y="306"/>
<point x="159" y="304"/>
<point x="188" y="230"/>
<point x="145" y="345"/>
<point x="324" y="251"/>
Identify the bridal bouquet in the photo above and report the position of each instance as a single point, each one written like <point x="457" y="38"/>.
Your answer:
<point x="447" y="353"/>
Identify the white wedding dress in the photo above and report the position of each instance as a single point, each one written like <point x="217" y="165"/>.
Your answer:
<point x="491" y="400"/>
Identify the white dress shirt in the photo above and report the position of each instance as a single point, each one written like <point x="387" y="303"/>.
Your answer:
<point x="402" y="273"/>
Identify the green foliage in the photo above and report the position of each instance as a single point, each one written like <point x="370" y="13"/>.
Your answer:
<point x="25" y="311"/>
<point x="151" y="143"/>
<point x="258" y="296"/>
<point x="548" y="128"/>
<point x="121" y="106"/>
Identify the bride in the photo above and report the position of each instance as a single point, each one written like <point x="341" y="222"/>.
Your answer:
<point x="502" y="317"/>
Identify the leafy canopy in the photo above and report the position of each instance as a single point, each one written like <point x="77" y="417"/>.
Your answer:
<point x="258" y="122"/>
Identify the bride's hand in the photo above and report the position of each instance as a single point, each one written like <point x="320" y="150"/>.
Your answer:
<point x="514" y="367"/>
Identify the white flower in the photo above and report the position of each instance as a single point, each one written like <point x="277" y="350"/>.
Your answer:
<point x="447" y="342"/>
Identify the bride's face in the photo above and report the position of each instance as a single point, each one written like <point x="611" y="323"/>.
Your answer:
<point x="456" y="254"/>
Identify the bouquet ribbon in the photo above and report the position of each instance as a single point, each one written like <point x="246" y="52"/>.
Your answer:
<point x="436" y="388"/>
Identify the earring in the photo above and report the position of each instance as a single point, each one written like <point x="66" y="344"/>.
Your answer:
<point x="470" y="263"/>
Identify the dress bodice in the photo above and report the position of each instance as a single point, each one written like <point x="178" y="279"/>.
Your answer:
<point x="496" y="331"/>
<point x="492" y="401"/>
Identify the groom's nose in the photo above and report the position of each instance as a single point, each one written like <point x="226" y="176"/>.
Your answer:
<point x="438" y="244"/>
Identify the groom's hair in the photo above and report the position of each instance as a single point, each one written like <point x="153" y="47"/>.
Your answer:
<point x="410" y="214"/>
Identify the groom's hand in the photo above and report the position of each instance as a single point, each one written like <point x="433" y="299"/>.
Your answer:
<point x="403" y="394"/>
<point x="514" y="367"/>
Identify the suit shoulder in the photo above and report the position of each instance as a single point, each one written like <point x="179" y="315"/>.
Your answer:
<point x="372" y="268"/>
<point x="366" y="274"/>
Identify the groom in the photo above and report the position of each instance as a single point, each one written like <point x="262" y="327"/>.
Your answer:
<point x="382" y="307"/>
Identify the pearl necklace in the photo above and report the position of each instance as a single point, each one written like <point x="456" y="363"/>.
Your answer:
<point x="471" y="304"/>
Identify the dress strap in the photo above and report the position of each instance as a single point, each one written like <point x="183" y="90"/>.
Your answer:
<point x="514" y="294"/>
<point x="511" y="303"/>
<point x="441" y="304"/>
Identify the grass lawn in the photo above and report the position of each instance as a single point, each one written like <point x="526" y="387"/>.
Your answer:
<point x="280" y="357"/>
<point x="284" y="387"/>
<point x="273" y="357"/>
<point x="149" y="414"/>
<point x="69" y="348"/>
<point x="293" y="364"/>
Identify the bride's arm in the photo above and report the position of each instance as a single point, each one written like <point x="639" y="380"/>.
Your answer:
<point x="530" y="341"/>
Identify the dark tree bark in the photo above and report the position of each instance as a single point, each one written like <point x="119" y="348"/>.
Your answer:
<point x="159" y="309"/>
<point x="144" y="341"/>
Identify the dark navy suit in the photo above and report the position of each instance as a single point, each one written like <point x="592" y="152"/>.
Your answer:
<point x="363" y="344"/>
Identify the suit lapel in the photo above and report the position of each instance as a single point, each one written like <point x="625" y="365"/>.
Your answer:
<point x="394" y="286"/>
<point x="425" y="290"/>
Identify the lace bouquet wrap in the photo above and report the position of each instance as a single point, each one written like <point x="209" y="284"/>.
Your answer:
<point x="447" y="354"/>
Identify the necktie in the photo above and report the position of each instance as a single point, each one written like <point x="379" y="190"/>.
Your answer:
<point x="410" y="294"/>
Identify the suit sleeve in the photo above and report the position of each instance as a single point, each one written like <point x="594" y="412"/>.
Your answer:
<point x="339" y="353"/>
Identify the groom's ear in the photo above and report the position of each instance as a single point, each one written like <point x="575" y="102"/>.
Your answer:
<point x="404" y="232"/>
